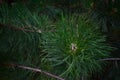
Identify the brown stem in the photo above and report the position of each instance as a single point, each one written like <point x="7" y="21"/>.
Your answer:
<point x="17" y="28"/>
<point x="110" y="59"/>
<point x="36" y="70"/>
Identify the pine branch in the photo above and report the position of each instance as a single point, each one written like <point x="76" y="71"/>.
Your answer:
<point x="35" y="70"/>
<point x="18" y="29"/>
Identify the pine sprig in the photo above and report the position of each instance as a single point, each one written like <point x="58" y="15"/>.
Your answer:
<point x="75" y="47"/>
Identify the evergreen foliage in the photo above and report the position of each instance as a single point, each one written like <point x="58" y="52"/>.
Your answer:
<point x="75" y="47"/>
<point x="46" y="34"/>
<point x="20" y="40"/>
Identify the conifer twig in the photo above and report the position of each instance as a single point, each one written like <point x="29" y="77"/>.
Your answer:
<point x="36" y="70"/>
<point x="18" y="28"/>
<point x="110" y="59"/>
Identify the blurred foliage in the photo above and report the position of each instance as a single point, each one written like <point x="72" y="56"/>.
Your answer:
<point x="107" y="14"/>
<point x="20" y="41"/>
